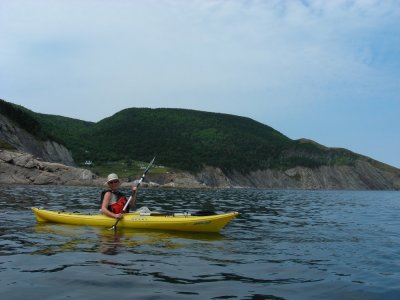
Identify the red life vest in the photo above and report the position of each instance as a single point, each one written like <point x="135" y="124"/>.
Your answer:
<point x="118" y="206"/>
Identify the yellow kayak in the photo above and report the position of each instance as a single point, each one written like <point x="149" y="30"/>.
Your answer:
<point x="179" y="222"/>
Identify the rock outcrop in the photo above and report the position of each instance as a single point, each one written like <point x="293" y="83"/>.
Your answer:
<point x="208" y="178"/>
<point x="362" y="176"/>
<point x="22" y="168"/>
<point x="24" y="141"/>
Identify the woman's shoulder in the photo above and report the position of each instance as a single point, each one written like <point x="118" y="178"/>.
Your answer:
<point x="104" y="192"/>
<point x="115" y="192"/>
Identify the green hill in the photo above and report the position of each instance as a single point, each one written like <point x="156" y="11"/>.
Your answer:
<point x="183" y="139"/>
<point x="188" y="140"/>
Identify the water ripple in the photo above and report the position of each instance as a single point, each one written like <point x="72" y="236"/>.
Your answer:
<point x="283" y="245"/>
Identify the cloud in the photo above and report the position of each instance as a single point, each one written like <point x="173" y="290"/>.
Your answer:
<point x="283" y="63"/>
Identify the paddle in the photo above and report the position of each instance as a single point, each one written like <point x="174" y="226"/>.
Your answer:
<point x="133" y="193"/>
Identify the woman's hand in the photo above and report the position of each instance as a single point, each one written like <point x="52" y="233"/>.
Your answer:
<point x="134" y="188"/>
<point x="118" y="216"/>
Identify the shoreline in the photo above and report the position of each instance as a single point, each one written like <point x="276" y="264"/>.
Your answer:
<point x="20" y="168"/>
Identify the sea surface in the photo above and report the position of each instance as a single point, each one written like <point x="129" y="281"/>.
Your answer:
<point x="285" y="244"/>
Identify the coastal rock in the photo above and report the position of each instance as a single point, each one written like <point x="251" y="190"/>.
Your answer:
<point x="22" y="168"/>
<point x="213" y="177"/>
<point x="362" y="176"/>
<point x="175" y="180"/>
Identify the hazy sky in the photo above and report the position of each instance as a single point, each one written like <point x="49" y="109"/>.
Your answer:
<point x="327" y="70"/>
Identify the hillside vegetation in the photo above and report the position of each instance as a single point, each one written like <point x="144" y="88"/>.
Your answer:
<point x="182" y="139"/>
<point x="188" y="140"/>
<point x="25" y="119"/>
<point x="218" y="150"/>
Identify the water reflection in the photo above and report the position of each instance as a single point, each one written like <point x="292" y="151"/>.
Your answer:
<point x="60" y="238"/>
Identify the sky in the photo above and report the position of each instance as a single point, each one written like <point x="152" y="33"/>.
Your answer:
<point x="325" y="70"/>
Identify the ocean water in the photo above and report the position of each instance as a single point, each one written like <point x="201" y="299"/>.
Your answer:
<point x="285" y="244"/>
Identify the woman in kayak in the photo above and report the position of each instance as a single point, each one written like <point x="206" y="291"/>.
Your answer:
<point x="113" y="201"/>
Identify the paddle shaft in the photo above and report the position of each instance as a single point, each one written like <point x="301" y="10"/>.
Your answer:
<point x="133" y="193"/>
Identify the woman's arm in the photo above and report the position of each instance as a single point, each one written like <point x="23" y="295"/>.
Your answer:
<point x="133" y="200"/>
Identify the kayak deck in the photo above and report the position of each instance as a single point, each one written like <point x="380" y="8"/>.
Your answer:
<point x="179" y="222"/>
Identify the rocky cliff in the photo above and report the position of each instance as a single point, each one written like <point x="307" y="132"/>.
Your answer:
<point x="24" y="141"/>
<point x="362" y="176"/>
